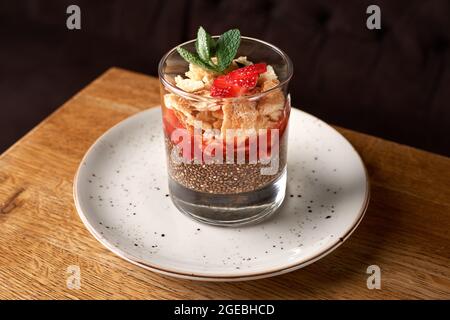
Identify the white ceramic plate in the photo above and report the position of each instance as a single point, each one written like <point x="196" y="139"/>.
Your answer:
<point x="121" y="195"/>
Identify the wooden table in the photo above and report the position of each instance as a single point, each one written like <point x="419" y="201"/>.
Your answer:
<point x="405" y="231"/>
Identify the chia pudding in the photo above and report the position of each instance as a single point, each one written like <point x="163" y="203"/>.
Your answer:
<point x="223" y="178"/>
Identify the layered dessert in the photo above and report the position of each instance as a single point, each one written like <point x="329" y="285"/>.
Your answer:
<point x="225" y="124"/>
<point x="225" y="114"/>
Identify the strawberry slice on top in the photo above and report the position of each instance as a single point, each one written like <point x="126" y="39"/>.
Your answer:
<point x="222" y="87"/>
<point x="238" y="81"/>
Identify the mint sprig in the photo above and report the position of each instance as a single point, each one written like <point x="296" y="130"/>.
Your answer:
<point x="225" y="49"/>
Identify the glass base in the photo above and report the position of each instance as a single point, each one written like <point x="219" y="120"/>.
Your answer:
<point x="229" y="210"/>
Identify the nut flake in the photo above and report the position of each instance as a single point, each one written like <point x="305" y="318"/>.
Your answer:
<point x="189" y="85"/>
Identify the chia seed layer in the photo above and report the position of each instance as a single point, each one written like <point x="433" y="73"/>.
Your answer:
<point x="223" y="178"/>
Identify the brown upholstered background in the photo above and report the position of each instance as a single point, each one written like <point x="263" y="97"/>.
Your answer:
<point x="394" y="83"/>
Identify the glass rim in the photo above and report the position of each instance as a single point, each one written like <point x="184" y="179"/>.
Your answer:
<point x="173" y="88"/>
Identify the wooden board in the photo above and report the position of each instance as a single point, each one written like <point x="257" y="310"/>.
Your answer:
<point x="405" y="231"/>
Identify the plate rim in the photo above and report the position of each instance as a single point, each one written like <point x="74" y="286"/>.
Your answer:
<point x="205" y="277"/>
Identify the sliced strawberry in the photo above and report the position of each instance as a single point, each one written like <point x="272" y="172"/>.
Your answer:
<point x="249" y="82"/>
<point x="224" y="92"/>
<point x="248" y="71"/>
<point x="223" y="87"/>
<point x="170" y="121"/>
<point x="238" y="81"/>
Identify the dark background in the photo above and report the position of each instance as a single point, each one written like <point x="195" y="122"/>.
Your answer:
<point x="393" y="83"/>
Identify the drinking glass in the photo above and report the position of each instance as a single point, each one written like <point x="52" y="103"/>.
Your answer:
<point x="220" y="173"/>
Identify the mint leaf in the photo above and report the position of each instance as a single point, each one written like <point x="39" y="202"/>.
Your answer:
<point x="194" y="58"/>
<point x="203" y="45"/>
<point x="226" y="48"/>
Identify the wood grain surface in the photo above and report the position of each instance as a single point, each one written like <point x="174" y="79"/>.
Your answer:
<point x="405" y="231"/>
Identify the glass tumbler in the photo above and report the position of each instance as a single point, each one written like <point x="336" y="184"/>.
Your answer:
<point x="226" y="157"/>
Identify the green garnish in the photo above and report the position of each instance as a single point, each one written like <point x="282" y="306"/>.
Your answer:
<point x="225" y="49"/>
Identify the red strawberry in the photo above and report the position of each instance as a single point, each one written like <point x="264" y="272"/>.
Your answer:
<point x="222" y="87"/>
<point x="248" y="82"/>
<point x="253" y="69"/>
<point x="226" y="92"/>
<point x="238" y="81"/>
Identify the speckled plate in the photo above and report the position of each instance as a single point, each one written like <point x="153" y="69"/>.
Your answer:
<point x="121" y="195"/>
